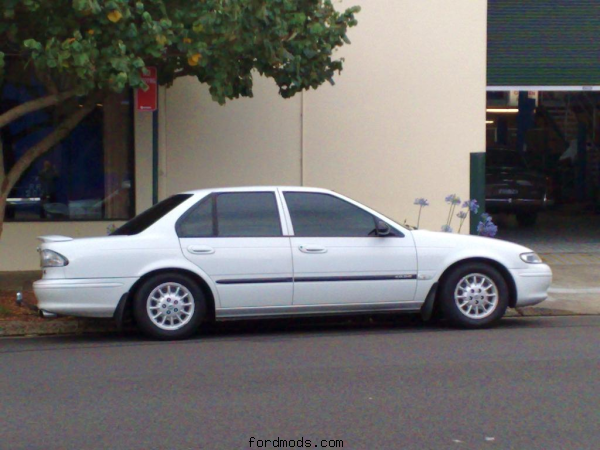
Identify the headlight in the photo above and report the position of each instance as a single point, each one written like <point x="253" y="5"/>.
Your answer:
<point x="531" y="258"/>
<point x="49" y="258"/>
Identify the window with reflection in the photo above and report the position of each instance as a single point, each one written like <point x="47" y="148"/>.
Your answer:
<point x="87" y="176"/>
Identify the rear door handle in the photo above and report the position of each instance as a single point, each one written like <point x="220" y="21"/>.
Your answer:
<point x="312" y="249"/>
<point x="201" y="250"/>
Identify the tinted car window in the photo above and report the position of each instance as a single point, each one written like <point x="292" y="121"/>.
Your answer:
<point x="504" y="158"/>
<point x="248" y="214"/>
<point x="198" y="222"/>
<point x="150" y="216"/>
<point x="322" y="215"/>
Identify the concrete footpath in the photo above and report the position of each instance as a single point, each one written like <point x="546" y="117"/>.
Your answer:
<point x="575" y="291"/>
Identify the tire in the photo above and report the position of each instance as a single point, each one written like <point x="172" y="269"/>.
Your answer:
<point x="485" y="310"/>
<point x="168" y="297"/>
<point x="527" y="219"/>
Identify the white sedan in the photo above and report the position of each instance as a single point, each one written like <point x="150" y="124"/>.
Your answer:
<point x="280" y="251"/>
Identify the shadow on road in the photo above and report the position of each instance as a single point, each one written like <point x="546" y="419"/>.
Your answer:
<point x="273" y="329"/>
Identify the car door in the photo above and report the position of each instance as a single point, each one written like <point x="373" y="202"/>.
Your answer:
<point x="339" y="258"/>
<point x="237" y="239"/>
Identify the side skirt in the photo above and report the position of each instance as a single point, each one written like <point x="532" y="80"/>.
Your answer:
<point x="315" y="310"/>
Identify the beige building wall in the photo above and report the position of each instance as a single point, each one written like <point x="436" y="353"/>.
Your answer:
<point x="400" y="123"/>
<point x="407" y="111"/>
<point x="249" y="141"/>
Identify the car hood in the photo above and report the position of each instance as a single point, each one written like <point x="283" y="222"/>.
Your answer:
<point x="521" y="176"/>
<point x="436" y="239"/>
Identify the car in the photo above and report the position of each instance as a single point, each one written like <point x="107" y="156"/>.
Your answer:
<point x="265" y="252"/>
<point x="512" y="187"/>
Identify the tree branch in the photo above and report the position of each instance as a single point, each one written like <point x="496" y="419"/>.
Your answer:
<point x="59" y="133"/>
<point x="2" y="173"/>
<point x="47" y="81"/>
<point x="33" y="105"/>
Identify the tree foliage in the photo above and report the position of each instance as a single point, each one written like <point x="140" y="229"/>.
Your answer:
<point x="83" y="50"/>
<point x="105" y="45"/>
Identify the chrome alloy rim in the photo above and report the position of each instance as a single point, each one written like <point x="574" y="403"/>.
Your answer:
<point x="170" y="306"/>
<point x="476" y="296"/>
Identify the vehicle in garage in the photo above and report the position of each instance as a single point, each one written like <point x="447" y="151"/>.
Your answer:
<point x="280" y="251"/>
<point x="512" y="187"/>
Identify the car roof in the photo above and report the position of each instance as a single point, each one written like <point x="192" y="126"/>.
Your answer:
<point x="258" y="188"/>
<point x="501" y="148"/>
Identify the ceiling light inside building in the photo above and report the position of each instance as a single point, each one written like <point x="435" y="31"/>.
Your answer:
<point x="503" y="110"/>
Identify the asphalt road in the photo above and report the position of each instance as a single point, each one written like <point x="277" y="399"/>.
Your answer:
<point x="532" y="383"/>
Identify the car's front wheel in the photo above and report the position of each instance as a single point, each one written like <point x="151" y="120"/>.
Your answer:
<point x="474" y="295"/>
<point x="169" y="306"/>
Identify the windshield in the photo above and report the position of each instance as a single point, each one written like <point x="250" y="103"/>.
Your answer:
<point x="150" y="216"/>
<point x="504" y="158"/>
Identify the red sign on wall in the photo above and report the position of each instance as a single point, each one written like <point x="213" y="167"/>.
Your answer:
<point x="148" y="100"/>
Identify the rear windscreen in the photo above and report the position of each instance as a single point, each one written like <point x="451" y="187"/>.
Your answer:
<point x="150" y="216"/>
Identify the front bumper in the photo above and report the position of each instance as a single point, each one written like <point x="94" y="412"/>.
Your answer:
<point x="532" y="284"/>
<point x="95" y="297"/>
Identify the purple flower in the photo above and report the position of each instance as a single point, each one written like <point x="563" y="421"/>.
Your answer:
<point x="486" y="227"/>
<point x="462" y="215"/>
<point x="473" y="206"/>
<point x="453" y="199"/>
<point x="421" y="202"/>
<point x="446" y="229"/>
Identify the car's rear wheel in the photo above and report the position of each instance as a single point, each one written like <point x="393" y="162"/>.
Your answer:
<point x="474" y="295"/>
<point x="169" y="306"/>
<point x="527" y="219"/>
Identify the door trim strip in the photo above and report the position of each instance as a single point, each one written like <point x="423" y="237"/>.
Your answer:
<point x="356" y="278"/>
<point x="256" y="280"/>
<point x="319" y="279"/>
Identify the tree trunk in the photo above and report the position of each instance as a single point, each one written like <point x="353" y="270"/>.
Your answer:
<point x="33" y="105"/>
<point x="61" y="132"/>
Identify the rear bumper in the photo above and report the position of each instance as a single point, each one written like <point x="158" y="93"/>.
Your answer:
<point x="81" y="297"/>
<point x="532" y="284"/>
<point x="516" y="204"/>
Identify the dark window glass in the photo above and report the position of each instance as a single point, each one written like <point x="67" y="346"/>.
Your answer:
<point x="151" y="216"/>
<point x="505" y="158"/>
<point x="248" y="214"/>
<point x="322" y="215"/>
<point x="87" y="176"/>
<point x="198" y="222"/>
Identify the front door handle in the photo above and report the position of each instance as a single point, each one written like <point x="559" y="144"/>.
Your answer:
<point x="201" y="250"/>
<point x="312" y="249"/>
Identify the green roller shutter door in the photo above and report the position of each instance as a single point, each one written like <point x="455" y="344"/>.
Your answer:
<point x="543" y="43"/>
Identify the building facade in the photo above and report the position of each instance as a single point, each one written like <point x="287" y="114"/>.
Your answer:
<point x="401" y="122"/>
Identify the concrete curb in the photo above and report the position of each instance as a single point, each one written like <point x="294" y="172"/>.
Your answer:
<point x="55" y="327"/>
<point x="15" y="328"/>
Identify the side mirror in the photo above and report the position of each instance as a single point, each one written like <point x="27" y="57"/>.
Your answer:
<point x="383" y="229"/>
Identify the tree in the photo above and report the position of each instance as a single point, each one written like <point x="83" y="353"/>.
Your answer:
<point x="83" y="50"/>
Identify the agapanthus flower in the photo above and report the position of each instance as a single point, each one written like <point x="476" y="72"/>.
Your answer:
<point x="421" y="202"/>
<point x="453" y="199"/>
<point x="447" y="229"/>
<point x="486" y="227"/>
<point x="462" y="215"/>
<point x="472" y="205"/>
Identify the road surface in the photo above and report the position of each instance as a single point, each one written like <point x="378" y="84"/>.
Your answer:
<point x="531" y="383"/>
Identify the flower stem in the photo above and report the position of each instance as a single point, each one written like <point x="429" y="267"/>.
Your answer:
<point x="419" y="218"/>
